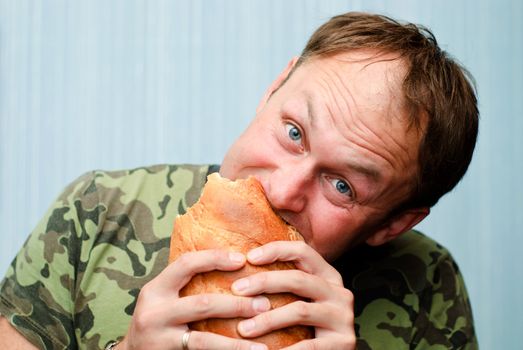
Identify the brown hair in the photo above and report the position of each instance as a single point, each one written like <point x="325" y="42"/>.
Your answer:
<point x="434" y="86"/>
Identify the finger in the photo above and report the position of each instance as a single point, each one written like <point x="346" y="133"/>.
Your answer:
<point x="203" y="306"/>
<point x="345" y="342"/>
<point x="323" y="316"/>
<point x="293" y="281"/>
<point x="304" y="256"/>
<point x="212" y="341"/>
<point x="180" y="272"/>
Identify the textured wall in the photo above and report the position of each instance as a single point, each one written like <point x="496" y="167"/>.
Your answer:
<point x="99" y="84"/>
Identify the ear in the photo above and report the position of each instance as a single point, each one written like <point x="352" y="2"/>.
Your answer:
<point x="277" y="83"/>
<point x="397" y="225"/>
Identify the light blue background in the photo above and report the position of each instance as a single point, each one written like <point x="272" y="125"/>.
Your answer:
<point x="118" y="84"/>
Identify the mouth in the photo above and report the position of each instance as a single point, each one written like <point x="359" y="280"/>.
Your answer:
<point x="285" y="221"/>
<point x="298" y="234"/>
<point x="288" y="223"/>
<point x="282" y="218"/>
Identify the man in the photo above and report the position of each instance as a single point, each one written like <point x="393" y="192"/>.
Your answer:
<point x="353" y="143"/>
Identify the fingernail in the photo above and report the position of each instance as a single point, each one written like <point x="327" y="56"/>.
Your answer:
<point x="258" y="347"/>
<point x="236" y="257"/>
<point x="246" y="326"/>
<point x="240" y="284"/>
<point x="254" y="254"/>
<point x="261" y="304"/>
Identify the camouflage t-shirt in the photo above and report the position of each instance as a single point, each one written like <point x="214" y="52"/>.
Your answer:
<point x="75" y="282"/>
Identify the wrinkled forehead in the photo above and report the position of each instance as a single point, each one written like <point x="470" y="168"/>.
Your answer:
<point x="364" y="58"/>
<point x="386" y="71"/>
<point x="372" y="79"/>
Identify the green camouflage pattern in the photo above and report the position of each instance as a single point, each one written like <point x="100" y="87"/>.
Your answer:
<point x="409" y="294"/>
<point x="75" y="282"/>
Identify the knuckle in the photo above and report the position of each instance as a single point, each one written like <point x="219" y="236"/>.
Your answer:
<point x="146" y="292"/>
<point x="348" y="304"/>
<point x="218" y="255"/>
<point x="219" y="259"/>
<point x="294" y="280"/>
<point x="197" y="341"/>
<point x="348" y="297"/>
<point x="352" y="341"/>
<point x="149" y="293"/>
<point x="141" y="322"/>
<point x="337" y="278"/>
<point x="243" y="307"/>
<point x="298" y="276"/>
<point x="349" y="341"/>
<point x="347" y="320"/>
<point x="314" y="346"/>
<point x="260" y="280"/>
<point x="266" y="320"/>
<point x="302" y="248"/>
<point x="239" y="345"/>
<point x="202" y="304"/>
<point x="302" y="309"/>
<point x="184" y="262"/>
<point x="310" y="345"/>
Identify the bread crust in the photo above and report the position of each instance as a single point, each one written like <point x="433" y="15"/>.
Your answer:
<point x="236" y="216"/>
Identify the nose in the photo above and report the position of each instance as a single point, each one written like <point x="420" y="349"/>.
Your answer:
<point x="287" y="187"/>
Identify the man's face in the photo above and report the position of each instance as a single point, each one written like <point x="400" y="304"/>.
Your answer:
<point x="331" y="148"/>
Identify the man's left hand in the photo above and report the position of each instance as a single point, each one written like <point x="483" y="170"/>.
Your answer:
<point x="331" y="306"/>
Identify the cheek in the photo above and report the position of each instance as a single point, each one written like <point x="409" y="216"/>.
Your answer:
<point x="333" y="228"/>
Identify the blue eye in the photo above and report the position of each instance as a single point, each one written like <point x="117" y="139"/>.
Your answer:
<point x="341" y="186"/>
<point x="293" y="132"/>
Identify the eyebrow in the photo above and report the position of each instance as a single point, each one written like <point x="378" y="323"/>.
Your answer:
<point x="368" y="171"/>
<point x="310" y="107"/>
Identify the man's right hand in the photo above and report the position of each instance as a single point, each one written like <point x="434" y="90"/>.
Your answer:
<point x="161" y="316"/>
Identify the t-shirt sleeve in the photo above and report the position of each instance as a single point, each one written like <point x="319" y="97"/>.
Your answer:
<point x="37" y="293"/>
<point x="446" y="321"/>
<point x="409" y="294"/>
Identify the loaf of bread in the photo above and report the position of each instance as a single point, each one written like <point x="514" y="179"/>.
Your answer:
<point x="236" y="216"/>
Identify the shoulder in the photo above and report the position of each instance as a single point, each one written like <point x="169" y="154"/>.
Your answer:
<point x="408" y="291"/>
<point x="149" y="185"/>
<point x="416" y="243"/>
<point x="421" y="256"/>
<point x="411" y="258"/>
<point x="161" y="178"/>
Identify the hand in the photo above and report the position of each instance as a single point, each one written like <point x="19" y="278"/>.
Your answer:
<point x="330" y="310"/>
<point x="161" y="315"/>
